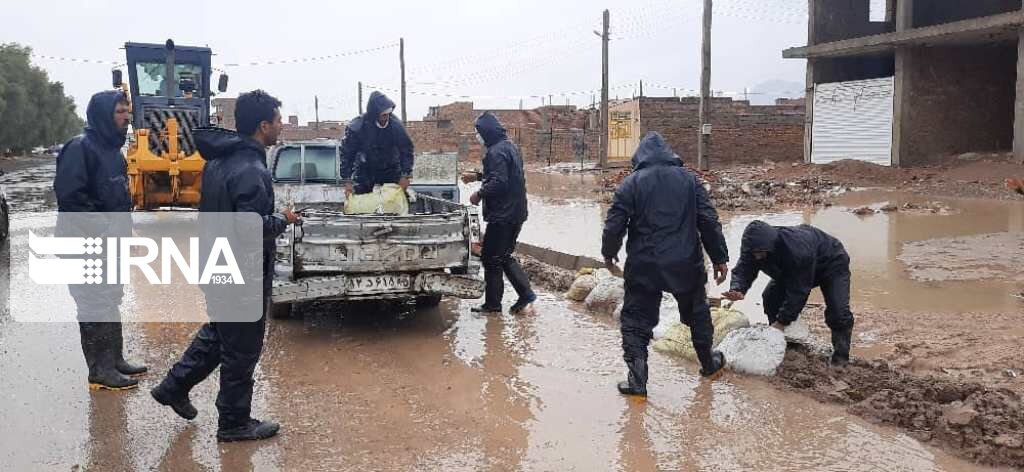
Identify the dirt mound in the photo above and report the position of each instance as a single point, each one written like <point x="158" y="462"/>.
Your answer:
<point x="975" y="422"/>
<point x="861" y="171"/>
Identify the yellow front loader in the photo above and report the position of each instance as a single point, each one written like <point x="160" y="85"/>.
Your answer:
<point x="170" y="95"/>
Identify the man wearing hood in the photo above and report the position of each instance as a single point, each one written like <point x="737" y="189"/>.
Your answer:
<point x="504" y="209"/>
<point x="235" y="179"/>
<point x="667" y="215"/>
<point x="91" y="185"/>
<point x="797" y="258"/>
<point x="376" y="150"/>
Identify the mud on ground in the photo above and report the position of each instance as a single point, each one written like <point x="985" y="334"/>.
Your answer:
<point x="974" y="421"/>
<point x="770" y="185"/>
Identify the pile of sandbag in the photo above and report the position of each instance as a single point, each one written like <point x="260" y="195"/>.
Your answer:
<point x="386" y="199"/>
<point x="677" y="340"/>
<point x="598" y="290"/>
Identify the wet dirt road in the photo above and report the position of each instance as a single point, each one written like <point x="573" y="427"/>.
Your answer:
<point x="442" y="389"/>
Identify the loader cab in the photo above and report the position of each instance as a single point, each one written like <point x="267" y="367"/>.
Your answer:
<point x="165" y="76"/>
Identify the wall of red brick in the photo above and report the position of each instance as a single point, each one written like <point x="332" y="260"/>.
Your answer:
<point x="740" y="132"/>
<point x="450" y="128"/>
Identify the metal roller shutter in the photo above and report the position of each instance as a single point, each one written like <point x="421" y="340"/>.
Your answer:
<point x="853" y="120"/>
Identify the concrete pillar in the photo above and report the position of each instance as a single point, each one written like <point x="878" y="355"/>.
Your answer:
<point x="904" y="15"/>
<point x="809" y="89"/>
<point x="1018" y="107"/>
<point x="809" y="112"/>
<point x="903" y="86"/>
<point x="902" y="91"/>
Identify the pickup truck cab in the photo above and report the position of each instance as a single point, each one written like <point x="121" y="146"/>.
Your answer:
<point x="424" y="255"/>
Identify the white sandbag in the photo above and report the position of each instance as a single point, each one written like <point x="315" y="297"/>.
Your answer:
<point x="757" y="350"/>
<point x="606" y="295"/>
<point x="797" y="332"/>
<point x="678" y="340"/>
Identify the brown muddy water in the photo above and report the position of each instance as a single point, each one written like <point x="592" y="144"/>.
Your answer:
<point x="441" y="389"/>
<point x="564" y="220"/>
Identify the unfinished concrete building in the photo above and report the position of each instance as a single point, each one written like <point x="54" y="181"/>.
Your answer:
<point x="921" y="80"/>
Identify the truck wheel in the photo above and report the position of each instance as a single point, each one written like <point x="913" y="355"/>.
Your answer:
<point x="280" y="311"/>
<point x="428" y="301"/>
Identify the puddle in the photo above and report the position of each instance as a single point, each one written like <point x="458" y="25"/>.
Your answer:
<point x="875" y="243"/>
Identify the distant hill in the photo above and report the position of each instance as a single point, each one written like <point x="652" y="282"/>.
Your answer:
<point x="765" y="93"/>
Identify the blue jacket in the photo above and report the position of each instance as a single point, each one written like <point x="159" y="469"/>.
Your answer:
<point x="92" y="174"/>
<point x="373" y="155"/>
<point x="504" y="182"/>
<point x="668" y="217"/>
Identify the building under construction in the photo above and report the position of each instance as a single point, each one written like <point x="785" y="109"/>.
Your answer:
<point x="919" y="80"/>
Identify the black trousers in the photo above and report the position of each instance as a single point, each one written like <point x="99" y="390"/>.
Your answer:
<point x="496" y="254"/>
<point x="236" y="348"/>
<point x="640" y="313"/>
<point x="836" y="291"/>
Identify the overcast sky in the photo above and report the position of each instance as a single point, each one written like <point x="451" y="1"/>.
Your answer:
<point x="495" y="53"/>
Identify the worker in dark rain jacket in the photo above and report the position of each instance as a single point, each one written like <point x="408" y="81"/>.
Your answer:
<point x="798" y="259"/>
<point x="235" y="179"/>
<point x="504" y="209"/>
<point x="667" y="215"/>
<point x="376" y="150"/>
<point x="91" y="185"/>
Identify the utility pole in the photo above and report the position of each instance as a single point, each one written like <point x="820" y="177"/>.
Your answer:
<point x="401" y="60"/>
<point x="603" y="162"/>
<point x="360" y="98"/>
<point x="316" y="111"/>
<point x="641" y="89"/>
<point x="704" y="143"/>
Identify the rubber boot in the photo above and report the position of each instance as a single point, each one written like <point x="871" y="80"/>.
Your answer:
<point x="485" y="309"/>
<point x="841" y="340"/>
<point x="122" y="365"/>
<point x="636" y="380"/>
<point x="167" y="395"/>
<point x="97" y="346"/>
<point x="251" y="431"/>
<point x="715" y="367"/>
<point x="523" y="304"/>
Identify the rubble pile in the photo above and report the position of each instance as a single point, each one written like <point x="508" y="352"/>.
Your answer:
<point x="731" y="194"/>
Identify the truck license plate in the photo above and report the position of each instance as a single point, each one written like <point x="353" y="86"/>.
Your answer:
<point x="370" y="284"/>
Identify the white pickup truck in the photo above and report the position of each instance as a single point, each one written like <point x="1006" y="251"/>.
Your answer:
<point x="424" y="255"/>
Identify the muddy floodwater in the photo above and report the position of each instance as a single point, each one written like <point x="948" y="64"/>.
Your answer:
<point x="441" y="389"/>
<point x="564" y="219"/>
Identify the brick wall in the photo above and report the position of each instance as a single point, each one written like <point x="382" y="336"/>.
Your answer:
<point x="740" y="132"/>
<point x="960" y="99"/>
<point x="450" y="128"/>
<point x="333" y="130"/>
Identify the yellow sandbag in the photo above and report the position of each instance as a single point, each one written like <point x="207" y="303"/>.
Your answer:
<point x="386" y="199"/>
<point x="678" y="341"/>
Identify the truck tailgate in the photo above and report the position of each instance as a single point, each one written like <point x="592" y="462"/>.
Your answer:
<point x="330" y="243"/>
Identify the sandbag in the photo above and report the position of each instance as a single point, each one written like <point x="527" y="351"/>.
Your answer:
<point x="607" y="294"/>
<point x="757" y="350"/>
<point x="581" y="287"/>
<point x="386" y="199"/>
<point x="798" y="332"/>
<point x="677" y="340"/>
